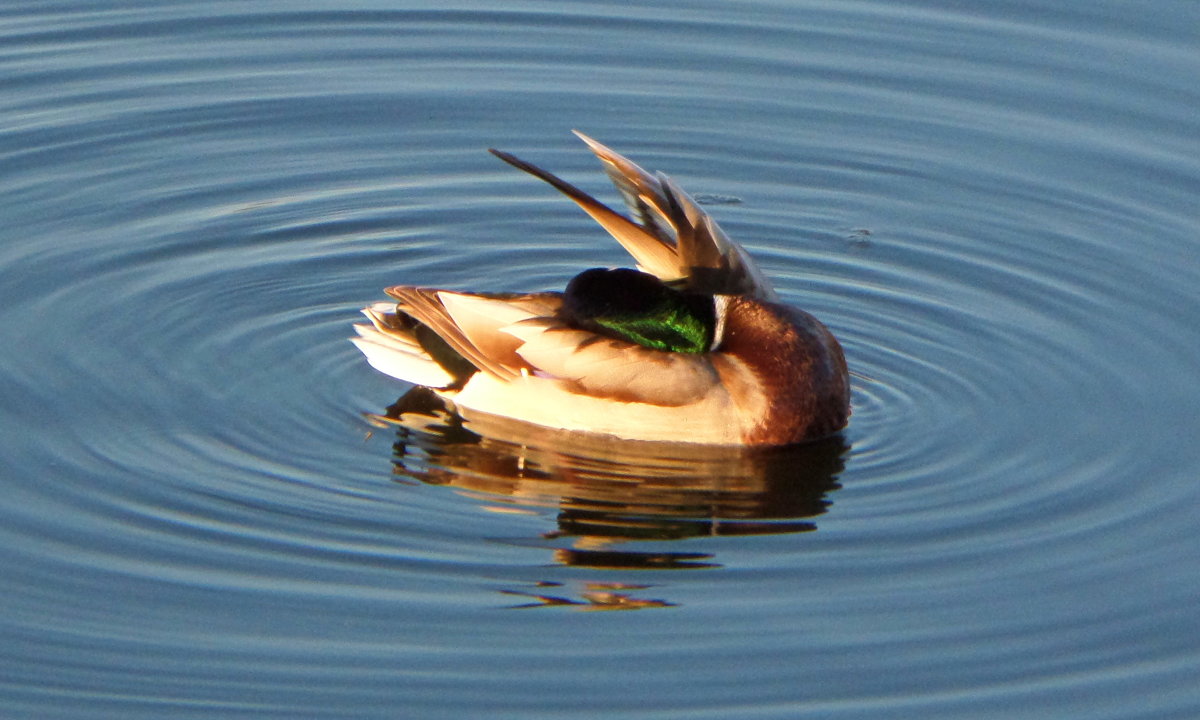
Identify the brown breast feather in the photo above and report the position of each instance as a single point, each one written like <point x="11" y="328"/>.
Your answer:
<point x="803" y="383"/>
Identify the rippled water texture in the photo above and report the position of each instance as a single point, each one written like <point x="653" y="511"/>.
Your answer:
<point x="207" y="509"/>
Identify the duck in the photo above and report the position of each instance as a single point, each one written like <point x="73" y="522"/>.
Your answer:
<point x="692" y="345"/>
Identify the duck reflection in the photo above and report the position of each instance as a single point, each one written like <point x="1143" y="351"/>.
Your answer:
<point x="610" y="494"/>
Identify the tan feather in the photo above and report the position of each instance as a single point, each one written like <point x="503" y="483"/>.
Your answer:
<point x="642" y="192"/>
<point x="676" y="240"/>
<point x="424" y="305"/>
<point x="607" y="367"/>
<point x="652" y="254"/>
<point x="713" y="263"/>
<point x="480" y="319"/>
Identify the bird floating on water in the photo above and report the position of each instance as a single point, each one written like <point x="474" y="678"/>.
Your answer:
<point x="693" y="346"/>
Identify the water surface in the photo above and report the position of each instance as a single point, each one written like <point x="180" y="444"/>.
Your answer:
<point x="206" y="512"/>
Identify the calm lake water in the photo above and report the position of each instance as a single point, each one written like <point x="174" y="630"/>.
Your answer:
<point x="993" y="205"/>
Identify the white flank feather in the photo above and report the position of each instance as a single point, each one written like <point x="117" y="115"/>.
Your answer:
<point x="551" y="403"/>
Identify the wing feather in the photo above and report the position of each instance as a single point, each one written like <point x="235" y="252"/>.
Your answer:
<point x="608" y="367"/>
<point x="713" y="263"/>
<point x="672" y="238"/>
<point x="642" y="191"/>
<point x="480" y="319"/>
<point x="651" y="253"/>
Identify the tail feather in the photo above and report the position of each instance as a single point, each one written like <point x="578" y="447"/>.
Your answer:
<point x="395" y="352"/>
<point x="424" y="305"/>
<point x="470" y="326"/>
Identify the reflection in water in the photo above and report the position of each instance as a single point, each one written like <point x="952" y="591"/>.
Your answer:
<point x="594" y="596"/>
<point x="610" y="492"/>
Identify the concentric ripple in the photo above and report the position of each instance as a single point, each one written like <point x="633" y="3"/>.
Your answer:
<point x="214" y="507"/>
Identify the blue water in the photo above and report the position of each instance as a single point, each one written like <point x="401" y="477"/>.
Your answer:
<point x="204" y="513"/>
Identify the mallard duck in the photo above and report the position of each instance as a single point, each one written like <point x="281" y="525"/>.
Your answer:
<point x="693" y="346"/>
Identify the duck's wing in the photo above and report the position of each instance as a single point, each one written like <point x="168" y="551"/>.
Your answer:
<point x="712" y="262"/>
<point x="643" y="193"/>
<point x="672" y="237"/>
<point x="653" y="254"/>
<point x="591" y="364"/>
<point x="438" y="338"/>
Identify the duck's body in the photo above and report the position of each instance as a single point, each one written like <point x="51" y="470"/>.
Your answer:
<point x="696" y="349"/>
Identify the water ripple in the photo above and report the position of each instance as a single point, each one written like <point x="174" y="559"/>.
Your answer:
<point x="214" y="506"/>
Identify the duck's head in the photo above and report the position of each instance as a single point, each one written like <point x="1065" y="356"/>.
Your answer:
<point x="640" y="308"/>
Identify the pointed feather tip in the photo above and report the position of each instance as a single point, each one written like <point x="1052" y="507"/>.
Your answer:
<point x="608" y="155"/>
<point x="592" y="142"/>
<point x="510" y="159"/>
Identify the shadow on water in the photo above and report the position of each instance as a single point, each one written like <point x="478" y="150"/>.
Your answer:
<point x="610" y="495"/>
